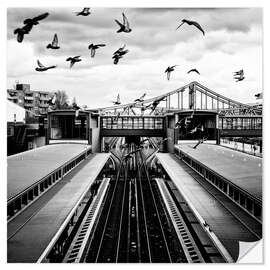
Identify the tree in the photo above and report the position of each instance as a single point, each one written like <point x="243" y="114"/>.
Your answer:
<point x="61" y="101"/>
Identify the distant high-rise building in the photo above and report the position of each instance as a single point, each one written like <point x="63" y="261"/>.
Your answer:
<point x="34" y="101"/>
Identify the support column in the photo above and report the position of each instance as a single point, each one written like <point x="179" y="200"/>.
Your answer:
<point x="217" y="131"/>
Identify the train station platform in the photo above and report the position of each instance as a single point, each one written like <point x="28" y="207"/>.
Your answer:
<point x="26" y="168"/>
<point x="226" y="225"/>
<point x="242" y="170"/>
<point x="30" y="241"/>
<point x="32" y="173"/>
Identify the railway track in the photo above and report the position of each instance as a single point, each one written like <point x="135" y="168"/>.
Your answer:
<point x="137" y="220"/>
<point x="133" y="225"/>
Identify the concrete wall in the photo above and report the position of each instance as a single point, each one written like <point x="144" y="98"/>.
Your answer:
<point x="170" y="142"/>
<point x="96" y="141"/>
<point x="95" y="134"/>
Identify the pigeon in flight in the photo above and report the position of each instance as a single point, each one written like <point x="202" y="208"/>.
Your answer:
<point x="259" y="96"/>
<point x="20" y="32"/>
<point x="42" y="67"/>
<point x="29" y="23"/>
<point x="117" y="102"/>
<point x="169" y="70"/>
<point x="144" y="108"/>
<point x="194" y="70"/>
<point x="199" y="142"/>
<point x="116" y="58"/>
<point x="121" y="51"/>
<point x="241" y="78"/>
<point x="239" y="75"/>
<point x="179" y="123"/>
<point x="119" y="54"/>
<point x="191" y="23"/>
<point x="156" y="103"/>
<point x="140" y="99"/>
<point x="240" y="72"/>
<point x="124" y="27"/>
<point x="51" y="102"/>
<point x="84" y="12"/>
<point x="93" y="48"/>
<point x="54" y="44"/>
<point x="74" y="60"/>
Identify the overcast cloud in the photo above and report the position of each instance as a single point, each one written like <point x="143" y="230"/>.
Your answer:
<point x="233" y="41"/>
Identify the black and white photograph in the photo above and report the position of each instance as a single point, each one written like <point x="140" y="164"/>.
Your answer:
<point x="134" y="134"/>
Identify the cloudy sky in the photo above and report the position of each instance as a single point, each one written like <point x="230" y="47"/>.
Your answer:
<point x="233" y="41"/>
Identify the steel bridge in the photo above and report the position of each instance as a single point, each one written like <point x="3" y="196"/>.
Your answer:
<point x="151" y="117"/>
<point x="187" y="113"/>
<point x="192" y="96"/>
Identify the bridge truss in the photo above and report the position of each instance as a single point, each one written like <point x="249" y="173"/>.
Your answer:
<point x="192" y="96"/>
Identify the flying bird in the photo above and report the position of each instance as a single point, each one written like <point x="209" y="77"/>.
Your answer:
<point x="119" y="54"/>
<point x="54" y="44"/>
<point x="124" y="27"/>
<point x="240" y="72"/>
<point x="194" y="130"/>
<point x="179" y="123"/>
<point x="20" y="32"/>
<point x="194" y="70"/>
<point x="239" y="75"/>
<point x="42" y="67"/>
<point x="156" y="103"/>
<point x="191" y="23"/>
<point x="169" y="70"/>
<point x="241" y="78"/>
<point x="29" y="23"/>
<point x="93" y="48"/>
<point x="199" y="142"/>
<point x="51" y="102"/>
<point x="74" y="60"/>
<point x="141" y="98"/>
<point x="84" y="12"/>
<point x="117" y="102"/>
<point x="259" y="96"/>
<point x="121" y="51"/>
<point x="116" y="58"/>
<point x="144" y="108"/>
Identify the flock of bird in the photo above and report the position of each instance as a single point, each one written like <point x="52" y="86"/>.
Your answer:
<point x="124" y="27"/>
<point x="29" y="23"/>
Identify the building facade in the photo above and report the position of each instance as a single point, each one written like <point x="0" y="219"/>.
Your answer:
<point x="34" y="101"/>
